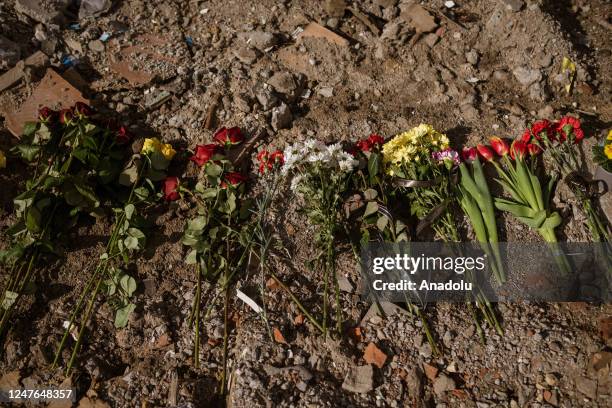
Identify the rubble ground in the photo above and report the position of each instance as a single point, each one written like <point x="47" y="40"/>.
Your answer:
<point x="289" y="70"/>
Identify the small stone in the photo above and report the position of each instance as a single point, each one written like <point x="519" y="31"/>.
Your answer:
<point x="301" y="385"/>
<point x="550" y="379"/>
<point x="449" y="4"/>
<point x="243" y="103"/>
<point x="359" y="379"/>
<point x="425" y="350"/>
<point x="527" y="76"/>
<point x="9" y="53"/>
<point x="281" y="117"/>
<point x="260" y="39"/>
<point x="514" y="5"/>
<point x="51" y="12"/>
<point x="333" y="23"/>
<point x="472" y="57"/>
<point x="246" y="55"/>
<point x="443" y="384"/>
<point x="587" y="386"/>
<point x="96" y="46"/>
<point x="284" y="83"/>
<point x="266" y="99"/>
<point x="326" y="91"/>
<point x="431" y="39"/>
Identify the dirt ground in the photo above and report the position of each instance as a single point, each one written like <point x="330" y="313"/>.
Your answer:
<point x="170" y="68"/>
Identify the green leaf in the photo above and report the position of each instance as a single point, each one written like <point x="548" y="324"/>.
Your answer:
<point x="123" y="314"/>
<point x="214" y="170"/>
<point x="197" y="224"/>
<point x="129" y="211"/>
<point x="87" y="191"/>
<point x="371" y="208"/>
<point x="33" y="219"/>
<point x="141" y="193"/>
<point x="158" y="161"/>
<point x="373" y="166"/>
<point x="30" y="128"/>
<point x="192" y="257"/>
<point x="128" y="284"/>
<point x="382" y="222"/>
<point x="28" y="152"/>
<point x="370" y="194"/>
<point x="131" y="243"/>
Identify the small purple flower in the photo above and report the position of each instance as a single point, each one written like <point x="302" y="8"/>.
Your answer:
<point x="447" y="155"/>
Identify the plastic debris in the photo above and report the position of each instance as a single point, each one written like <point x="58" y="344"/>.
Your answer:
<point x="104" y="37"/>
<point x="189" y="41"/>
<point x="74" y="26"/>
<point x="69" y="60"/>
<point x="568" y="67"/>
<point x="242" y="296"/>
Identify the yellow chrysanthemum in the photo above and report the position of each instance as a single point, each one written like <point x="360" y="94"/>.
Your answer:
<point x="151" y="145"/>
<point x="414" y="144"/>
<point x="167" y="150"/>
<point x="2" y="160"/>
<point x="608" y="151"/>
<point x="609" y="134"/>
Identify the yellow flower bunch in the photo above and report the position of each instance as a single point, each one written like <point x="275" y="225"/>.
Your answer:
<point x="608" y="151"/>
<point x="414" y="145"/>
<point x="154" y="145"/>
<point x="2" y="160"/>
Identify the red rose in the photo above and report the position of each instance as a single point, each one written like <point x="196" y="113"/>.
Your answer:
<point x="569" y="128"/>
<point x="123" y="136"/>
<point x="47" y="115"/>
<point x="364" y="145"/>
<point x="518" y="149"/>
<point x="233" y="179"/>
<point x="228" y="137"/>
<point x="171" y="185"/>
<point x="469" y="154"/>
<point x="499" y="145"/>
<point x="534" y="149"/>
<point x="65" y="116"/>
<point x="82" y="109"/>
<point x="203" y="154"/>
<point x="485" y="152"/>
<point x="375" y="139"/>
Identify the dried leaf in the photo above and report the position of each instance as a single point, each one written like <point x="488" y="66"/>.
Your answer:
<point x="299" y="320"/>
<point x="431" y="372"/>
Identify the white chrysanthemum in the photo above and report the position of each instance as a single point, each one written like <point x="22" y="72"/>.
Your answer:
<point x="314" y="145"/>
<point x="316" y="157"/>
<point x="334" y="150"/>
<point x="347" y="164"/>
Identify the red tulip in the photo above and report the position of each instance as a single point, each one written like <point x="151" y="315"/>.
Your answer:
<point x="203" y="153"/>
<point x="469" y="154"/>
<point x="526" y="138"/>
<point x="485" y="152"/>
<point x="375" y="139"/>
<point x="499" y="145"/>
<point x="228" y="137"/>
<point x="123" y="136"/>
<point x="233" y="179"/>
<point x="534" y="149"/>
<point x="569" y="128"/>
<point x="171" y="185"/>
<point x="518" y="149"/>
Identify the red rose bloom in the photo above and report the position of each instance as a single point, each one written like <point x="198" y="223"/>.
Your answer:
<point x="82" y="109"/>
<point x="364" y="145"/>
<point x="203" y="154"/>
<point x="65" y="116"/>
<point x="123" y="136"/>
<point x="485" y="152"/>
<point x="518" y="149"/>
<point x="569" y="128"/>
<point x="47" y="115"/>
<point x="228" y="137"/>
<point x="499" y="145"/>
<point x="233" y="179"/>
<point x="375" y="139"/>
<point x="171" y="188"/>
<point x="469" y="154"/>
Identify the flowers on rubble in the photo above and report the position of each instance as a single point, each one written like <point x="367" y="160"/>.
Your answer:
<point x="203" y="153"/>
<point x="319" y="174"/>
<point x="153" y="145"/>
<point x="559" y="141"/>
<point x="422" y="162"/>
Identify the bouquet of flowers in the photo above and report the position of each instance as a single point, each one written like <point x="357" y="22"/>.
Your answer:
<point x="218" y="245"/>
<point x="422" y="161"/>
<point x="319" y="175"/>
<point x="603" y="154"/>
<point x="559" y="141"/>
<point x="74" y="160"/>
<point x="136" y="191"/>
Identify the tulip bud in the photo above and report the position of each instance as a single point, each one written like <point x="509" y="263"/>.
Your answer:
<point x="499" y="145"/>
<point x="485" y="152"/>
<point x="469" y="154"/>
<point x="518" y="149"/>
